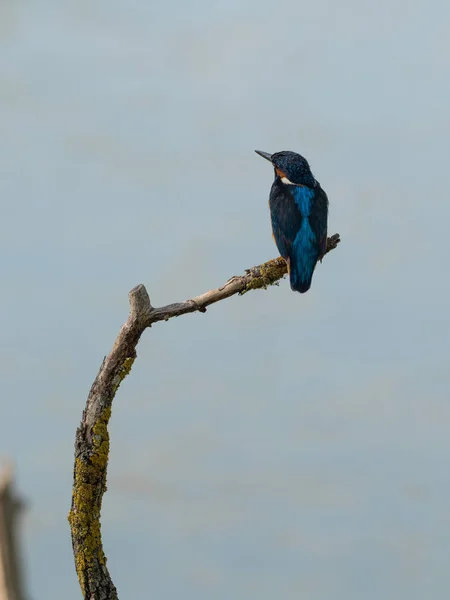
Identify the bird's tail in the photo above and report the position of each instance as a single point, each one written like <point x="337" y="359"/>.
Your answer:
<point x="301" y="272"/>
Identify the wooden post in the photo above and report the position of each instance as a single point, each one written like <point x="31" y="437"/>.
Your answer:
<point x="11" y="575"/>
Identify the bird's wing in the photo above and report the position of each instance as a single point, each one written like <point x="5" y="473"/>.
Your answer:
<point x="286" y="219"/>
<point x="318" y="218"/>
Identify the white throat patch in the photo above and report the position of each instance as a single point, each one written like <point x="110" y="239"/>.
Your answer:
<point x="287" y="181"/>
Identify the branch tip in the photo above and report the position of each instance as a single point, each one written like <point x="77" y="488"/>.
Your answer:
<point x="332" y="242"/>
<point x="139" y="301"/>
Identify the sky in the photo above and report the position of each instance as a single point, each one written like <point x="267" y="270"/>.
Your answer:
<point x="280" y="445"/>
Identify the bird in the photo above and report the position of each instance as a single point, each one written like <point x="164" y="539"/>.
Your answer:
<point x="299" y="214"/>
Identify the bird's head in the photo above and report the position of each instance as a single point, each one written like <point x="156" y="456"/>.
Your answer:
<point x="290" y="167"/>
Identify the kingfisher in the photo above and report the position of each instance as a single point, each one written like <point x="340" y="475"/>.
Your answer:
<point x="299" y="213"/>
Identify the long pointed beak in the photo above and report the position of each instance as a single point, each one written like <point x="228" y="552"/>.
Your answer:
<point x="265" y="155"/>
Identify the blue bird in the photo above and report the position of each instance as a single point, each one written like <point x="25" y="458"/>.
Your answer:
<point x="299" y="213"/>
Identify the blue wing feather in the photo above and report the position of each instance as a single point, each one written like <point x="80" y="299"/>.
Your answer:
<point x="286" y="219"/>
<point x="299" y="224"/>
<point x="318" y="218"/>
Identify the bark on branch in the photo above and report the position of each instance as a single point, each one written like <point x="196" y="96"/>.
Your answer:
<point x="92" y="438"/>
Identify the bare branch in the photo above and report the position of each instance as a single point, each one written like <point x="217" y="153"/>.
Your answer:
<point x="11" y="567"/>
<point x="92" y="437"/>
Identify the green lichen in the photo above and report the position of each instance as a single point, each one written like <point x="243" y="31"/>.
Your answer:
<point x="122" y="373"/>
<point x="269" y="274"/>
<point x="89" y="486"/>
<point x="100" y="441"/>
<point x="84" y="519"/>
<point x="88" y="489"/>
<point x="126" y="367"/>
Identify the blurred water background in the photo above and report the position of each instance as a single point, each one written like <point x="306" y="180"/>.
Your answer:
<point x="280" y="446"/>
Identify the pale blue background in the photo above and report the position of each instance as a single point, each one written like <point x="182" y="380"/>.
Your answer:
<point x="280" y="446"/>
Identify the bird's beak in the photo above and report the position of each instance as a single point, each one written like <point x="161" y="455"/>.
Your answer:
<point x="265" y="155"/>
